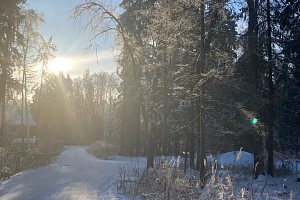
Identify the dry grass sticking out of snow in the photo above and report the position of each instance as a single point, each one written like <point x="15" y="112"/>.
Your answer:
<point x="229" y="176"/>
<point x="17" y="158"/>
<point x="103" y="150"/>
<point x="232" y="179"/>
<point x="166" y="181"/>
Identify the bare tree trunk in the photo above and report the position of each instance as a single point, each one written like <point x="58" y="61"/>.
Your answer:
<point x="3" y="106"/>
<point x="205" y="42"/>
<point x="26" y="110"/>
<point x="40" y="103"/>
<point x="146" y="132"/>
<point x="271" y="94"/>
<point x="257" y="153"/>
<point x="151" y="145"/>
<point x="22" y="103"/>
<point x="4" y="89"/>
<point x="192" y="135"/>
<point x="24" y="87"/>
<point x="109" y="113"/>
<point x="252" y="78"/>
<point x="124" y="104"/>
<point x="102" y="109"/>
<point x="186" y="151"/>
<point x="166" y="128"/>
<point x="137" y="128"/>
<point x="199" y="106"/>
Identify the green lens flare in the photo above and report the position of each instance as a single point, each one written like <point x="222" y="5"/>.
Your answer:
<point x="254" y="121"/>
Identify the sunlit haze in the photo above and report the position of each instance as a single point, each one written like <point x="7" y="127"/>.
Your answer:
<point x="71" y="41"/>
<point x="59" y="64"/>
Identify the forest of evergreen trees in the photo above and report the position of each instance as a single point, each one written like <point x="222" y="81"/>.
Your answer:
<point x="192" y="75"/>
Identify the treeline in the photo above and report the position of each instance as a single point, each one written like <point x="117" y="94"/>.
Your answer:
<point x="22" y="47"/>
<point x="82" y="108"/>
<point x="192" y="80"/>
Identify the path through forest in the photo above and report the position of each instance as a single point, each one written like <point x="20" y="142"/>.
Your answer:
<point x="74" y="175"/>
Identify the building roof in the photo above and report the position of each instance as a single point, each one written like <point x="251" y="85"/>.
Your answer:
<point x="19" y="140"/>
<point x="13" y="116"/>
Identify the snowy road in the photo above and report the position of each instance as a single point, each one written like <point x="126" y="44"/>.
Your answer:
<point x="75" y="175"/>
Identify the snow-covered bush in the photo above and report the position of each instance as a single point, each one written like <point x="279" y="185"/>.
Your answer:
<point x="101" y="149"/>
<point x="5" y="173"/>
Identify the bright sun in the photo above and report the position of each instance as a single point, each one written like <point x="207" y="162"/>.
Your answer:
<point x="59" y="64"/>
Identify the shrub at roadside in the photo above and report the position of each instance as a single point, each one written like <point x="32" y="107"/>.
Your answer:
<point x="103" y="150"/>
<point x="168" y="181"/>
<point x="17" y="158"/>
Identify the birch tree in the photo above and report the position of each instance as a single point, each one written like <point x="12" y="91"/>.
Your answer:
<point x="29" y="29"/>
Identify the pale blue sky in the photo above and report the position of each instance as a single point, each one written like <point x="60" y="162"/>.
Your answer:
<point x="70" y="39"/>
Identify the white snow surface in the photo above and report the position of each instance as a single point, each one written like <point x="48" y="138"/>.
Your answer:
<point x="229" y="158"/>
<point x="78" y="175"/>
<point x="246" y="159"/>
<point x="74" y="175"/>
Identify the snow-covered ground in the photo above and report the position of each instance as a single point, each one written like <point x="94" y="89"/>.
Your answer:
<point x="238" y="166"/>
<point x="284" y="185"/>
<point x="74" y="175"/>
<point x="78" y="175"/>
